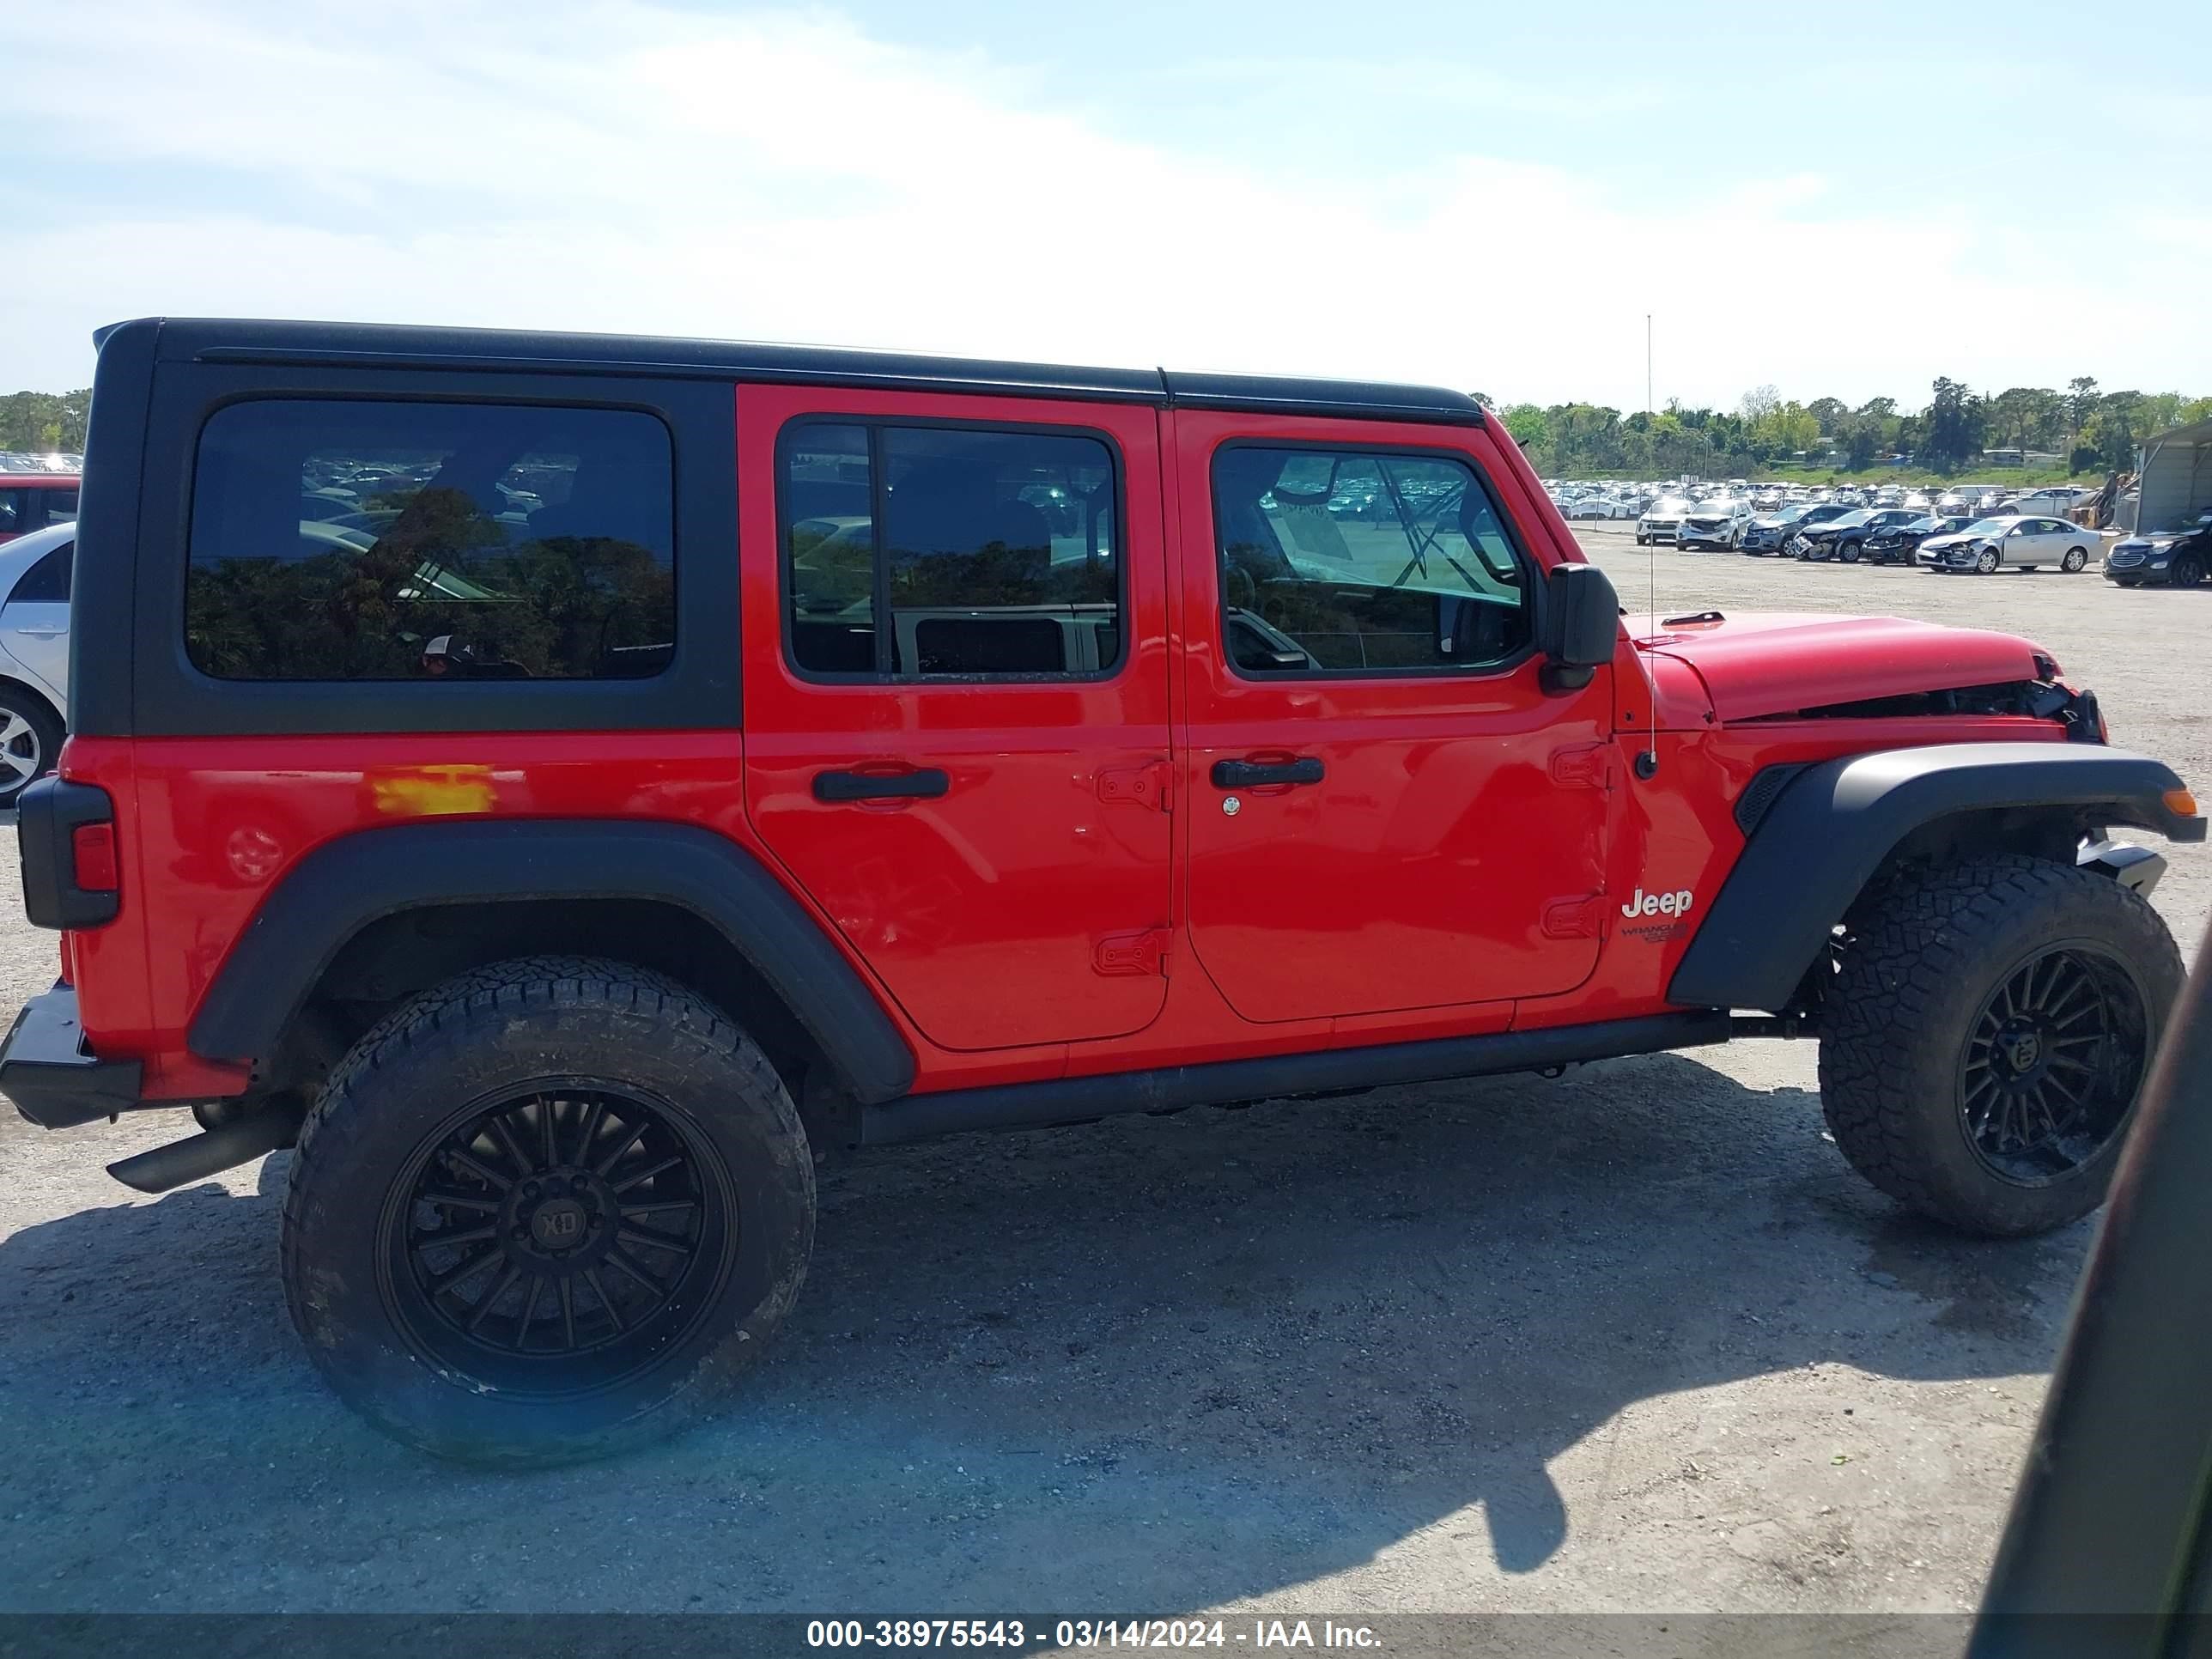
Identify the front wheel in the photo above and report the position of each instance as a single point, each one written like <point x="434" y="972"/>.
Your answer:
<point x="546" y="1211"/>
<point x="2076" y="560"/>
<point x="1987" y="565"/>
<point x="2188" y="570"/>
<point x="1986" y="1036"/>
<point x="1848" y="552"/>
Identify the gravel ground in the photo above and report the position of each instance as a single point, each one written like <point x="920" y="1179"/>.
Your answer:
<point x="1633" y="1340"/>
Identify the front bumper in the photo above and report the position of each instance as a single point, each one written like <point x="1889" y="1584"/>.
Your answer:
<point x="54" y="1080"/>
<point x="2132" y="866"/>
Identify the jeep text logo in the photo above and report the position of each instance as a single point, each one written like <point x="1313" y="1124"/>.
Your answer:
<point x="1676" y="904"/>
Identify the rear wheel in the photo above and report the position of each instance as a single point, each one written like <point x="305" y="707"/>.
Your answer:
<point x="2076" y="559"/>
<point x="1987" y="1035"/>
<point x="30" y="738"/>
<point x="546" y="1211"/>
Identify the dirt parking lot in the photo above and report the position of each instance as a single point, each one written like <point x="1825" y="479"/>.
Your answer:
<point x="1636" y="1339"/>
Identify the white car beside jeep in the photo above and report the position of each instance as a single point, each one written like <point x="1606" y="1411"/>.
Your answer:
<point x="34" y="653"/>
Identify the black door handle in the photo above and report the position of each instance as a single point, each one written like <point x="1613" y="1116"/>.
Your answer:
<point x="926" y="784"/>
<point x="1250" y="775"/>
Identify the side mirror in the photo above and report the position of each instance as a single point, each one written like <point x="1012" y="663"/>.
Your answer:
<point x="1583" y="626"/>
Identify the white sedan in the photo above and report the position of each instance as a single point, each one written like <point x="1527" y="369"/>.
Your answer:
<point x="2018" y="540"/>
<point x="34" y="652"/>
<point x="1600" y="506"/>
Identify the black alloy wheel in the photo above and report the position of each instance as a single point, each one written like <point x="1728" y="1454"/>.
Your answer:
<point x="2052" y="1064"/>
<point x="556" y="1237"/>
<point x="2186" y="571"/>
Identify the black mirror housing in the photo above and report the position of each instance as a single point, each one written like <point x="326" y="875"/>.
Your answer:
<point x="1581" y="625"/>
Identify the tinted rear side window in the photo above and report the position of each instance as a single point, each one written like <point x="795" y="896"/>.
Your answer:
<point x="46" y="582"/>
<point x="416" y="541"/>
<point x="955" y="551"/>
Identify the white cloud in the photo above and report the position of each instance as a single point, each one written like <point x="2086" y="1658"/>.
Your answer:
<point x="614" y="165"/>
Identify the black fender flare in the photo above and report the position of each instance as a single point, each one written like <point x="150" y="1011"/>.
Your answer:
<point x="334" y="891"/>
<point x="1813" y="850"/>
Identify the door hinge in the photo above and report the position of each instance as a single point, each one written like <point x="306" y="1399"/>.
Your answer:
<point x="1591" y="766"/>
<point x="1574" y="918"/>
<point x="1144" y="785"/>
<point x="1120" y="955"/>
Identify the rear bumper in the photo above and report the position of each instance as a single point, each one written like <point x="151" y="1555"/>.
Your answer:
<point x="54" y="1080"/>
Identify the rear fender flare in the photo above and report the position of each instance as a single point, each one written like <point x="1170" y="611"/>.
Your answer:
<point x="1831" y="828"/>
<point x="340" y="887"/>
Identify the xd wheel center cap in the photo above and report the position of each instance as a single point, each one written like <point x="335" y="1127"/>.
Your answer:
<point x="559" y="1224"/>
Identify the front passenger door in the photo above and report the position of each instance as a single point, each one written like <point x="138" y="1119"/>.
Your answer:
<point x="1388" y="810"/>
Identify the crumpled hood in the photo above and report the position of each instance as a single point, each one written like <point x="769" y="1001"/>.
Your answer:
<point x="1755" y="665"/>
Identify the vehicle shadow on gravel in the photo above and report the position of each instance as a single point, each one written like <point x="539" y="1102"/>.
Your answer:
<point x="1146" y="1366"/>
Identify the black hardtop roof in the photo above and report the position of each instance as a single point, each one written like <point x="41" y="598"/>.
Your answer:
<point x="370" y="344"/>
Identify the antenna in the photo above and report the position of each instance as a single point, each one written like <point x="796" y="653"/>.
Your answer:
<point x="1647" y="763"/>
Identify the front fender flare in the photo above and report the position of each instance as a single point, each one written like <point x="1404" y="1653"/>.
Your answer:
<point x="334" y="891"/>
<point x="1833" y="826"/>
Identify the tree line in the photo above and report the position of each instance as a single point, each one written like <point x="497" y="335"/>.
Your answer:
<point x="44" y="421"/>
<point x="2092" y="430"/>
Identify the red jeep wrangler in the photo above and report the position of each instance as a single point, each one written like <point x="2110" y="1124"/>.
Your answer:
<point x="558" y="782"/>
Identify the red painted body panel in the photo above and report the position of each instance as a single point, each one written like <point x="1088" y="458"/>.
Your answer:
<point x="983" y="910"/>
<point x="41" y="481"/>
<point x="1404" y="897"/>
<point x="1402" y="880"/>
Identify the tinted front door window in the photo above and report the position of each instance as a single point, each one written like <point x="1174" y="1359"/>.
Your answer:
<point x="1352" y="562"/>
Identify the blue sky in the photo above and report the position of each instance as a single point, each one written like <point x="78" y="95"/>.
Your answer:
<point x="1836" y="201"/>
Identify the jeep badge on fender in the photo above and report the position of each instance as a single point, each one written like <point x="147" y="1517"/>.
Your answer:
<point x="1089" y="743"/>
<point x="1676" y="904"/>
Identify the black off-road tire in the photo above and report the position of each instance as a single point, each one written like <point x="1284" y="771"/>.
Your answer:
<point x="1922" y="961"/>
<point x="528" y="1031"/>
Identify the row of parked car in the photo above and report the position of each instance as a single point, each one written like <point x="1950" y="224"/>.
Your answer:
<point x="1614" y="499"/>
<point x="1937" y="542"/>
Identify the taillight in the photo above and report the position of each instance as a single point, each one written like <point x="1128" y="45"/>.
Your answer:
<point x="66" y="832"/>
<point x="92" y="849"/>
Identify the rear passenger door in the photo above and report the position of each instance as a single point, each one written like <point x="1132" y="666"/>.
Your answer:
<point x="35" y="621"/>
<point x="956" y="697"/>
<point x="2050" y="540"/>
